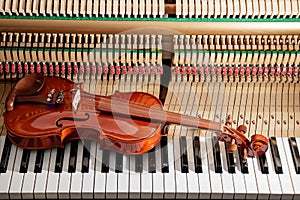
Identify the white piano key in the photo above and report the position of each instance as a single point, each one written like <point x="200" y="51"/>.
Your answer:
<point x="227" y="181"/>
<point x="29" y="178"/>
<point x="6" y="177"/>
<point x="100" y="178"/>
<point x="112" y="178"/>
<point x="146" y="179"/>
<point x="238" y="180"/>
<point x="158" y="176"/>
<point x="17" y="177"/>
<point x="53" y="178"/>
<point x="123" y="179"/>
<point x="192" y="177"/>
<point x="88" y="178"/>
<point x="76" y="178"/>
<point x="65" y="176"/>
<point x="204" y="178"/>
<point x="2" y="141"/>
<point x="169" y="178"/>
<point x="181" y="182"/>
<point x="285" y="177"/>
<point x="134" y="180"/>
<point x="41" y="178"/>
<point x="215" y="178"/>
<point x="262" y="181"/>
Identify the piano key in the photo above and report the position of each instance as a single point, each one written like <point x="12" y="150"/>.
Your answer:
<point x="164" y="154"/>
<point x="295" y="154"/>
<point x="59" y="160"/>
<point x="263" y="163"/>
<point x="242" y="163"/>
<point x="105" y="161"/>
<point x="25" y="161"/>
<point x="238" y="179"/>
<point x="41" y="177"/>
<point x="181" y="189"/>
<point x="146" y="179"/>
<point x="86" y="157"/>
<point x="275" y="155"/>
<point x="183" y="155"/>
<point x="169" y="178"/>
<point x="100" y="178"/>
<point x="192" y="177"/>
<point x="76" y="176"/>
<point x="65" y="176"/>
<point x="38" y="166"/>
<point x="157" y="176"/>
<point x="73" y="156"/>
<point x="152" y="160"/>
<point x="217" y="155"/>
<point x="15" y="187"/>
<point x="204" y="177"/>
<point x="29" y="177"/>
<point x="5" y="155"/>
<point x="229" y="161"/>
<point x="273" y="178"/>
<point x="228" y="185"/>
<point x="139" y="163"/>
<point x="285" y="177"/>
<point x="197" y="155"/>
<point x="123" y="179"/>
<point x="89" y="176"/>
<point x="111" y="178"/>
<point x="134" y="180"/>
<point x="119" y="163"/>
<point x="262" y="182"/>
<point x="2" y="145"/>
<point x="53" y="175"/>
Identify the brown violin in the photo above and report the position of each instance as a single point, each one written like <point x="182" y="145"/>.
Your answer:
<point x="45" y="112"/>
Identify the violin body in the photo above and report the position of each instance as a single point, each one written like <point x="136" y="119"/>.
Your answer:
<point x="39" y="126"/>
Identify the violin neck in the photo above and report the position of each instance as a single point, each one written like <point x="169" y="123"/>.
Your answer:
<point x="154" y="114"/>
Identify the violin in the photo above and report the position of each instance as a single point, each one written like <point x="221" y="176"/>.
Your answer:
<point x="46" y="112"/>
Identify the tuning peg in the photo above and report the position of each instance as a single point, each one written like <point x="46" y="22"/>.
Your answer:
<point x="232" y="147"/>
<point x="242" y="129"/>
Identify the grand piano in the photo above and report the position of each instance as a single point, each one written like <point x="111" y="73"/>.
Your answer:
<point x="212" y="59"/>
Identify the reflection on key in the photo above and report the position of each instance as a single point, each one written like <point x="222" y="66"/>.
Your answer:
<point x="263" y="164"/>
<point x="39" y="161"/>
<point x="183" y="155"/>
<point x="73" y="156"/>
<point x="164" y="154"/>
<point x="24" y="161"/>
<point x="139" y="163"/>
<point x="119" y="163"/>
<point x="295" y="154"/>
<point x="243" y="163"/>
<point x="105" y="161"/>
<point x="197" y="155"/>
<point x="217" y="155"/>
<point x="59" y="160"/>
<point x="151" y="160"/>
<point x="275" y="156"/>
<point x="5" y="155"/>
<point x="86" y="156"/>
<point x="230" y="160"/>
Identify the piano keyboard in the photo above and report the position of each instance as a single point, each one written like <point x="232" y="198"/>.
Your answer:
<point x="188" y="163"/>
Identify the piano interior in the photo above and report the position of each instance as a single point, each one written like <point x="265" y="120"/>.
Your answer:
<point x="211" y="59"/>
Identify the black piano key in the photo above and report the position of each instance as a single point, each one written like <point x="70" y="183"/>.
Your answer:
<point x="86" y="157"/>
<point x="230" y="160"/>
<point x="164" y="154"/>
<point x="151" y="161"/>
<point x="183" y="155"/>
<point x="5" y="155"/>
<point x="39" y="161"/>
<point x="119" y="163"/>
<point x="243" y="163"/>
<point x="217" y="155"/>
<point x="275" y="156"/>
<point x="197" y="155"/>
<point x="105" y="161"/>
<point x="295" y="154"/>
<point x="73" y="156"/>
<point x="263" y="164"/>
<point x="59" y="160"/>
<point x="139" y="163"/>
<point x="24" y="161"/>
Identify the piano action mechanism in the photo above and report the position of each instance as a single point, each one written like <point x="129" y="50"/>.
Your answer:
<point x="234" y="59"/>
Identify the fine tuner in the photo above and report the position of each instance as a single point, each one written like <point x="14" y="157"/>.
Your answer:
<point x="46" y="112"/>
